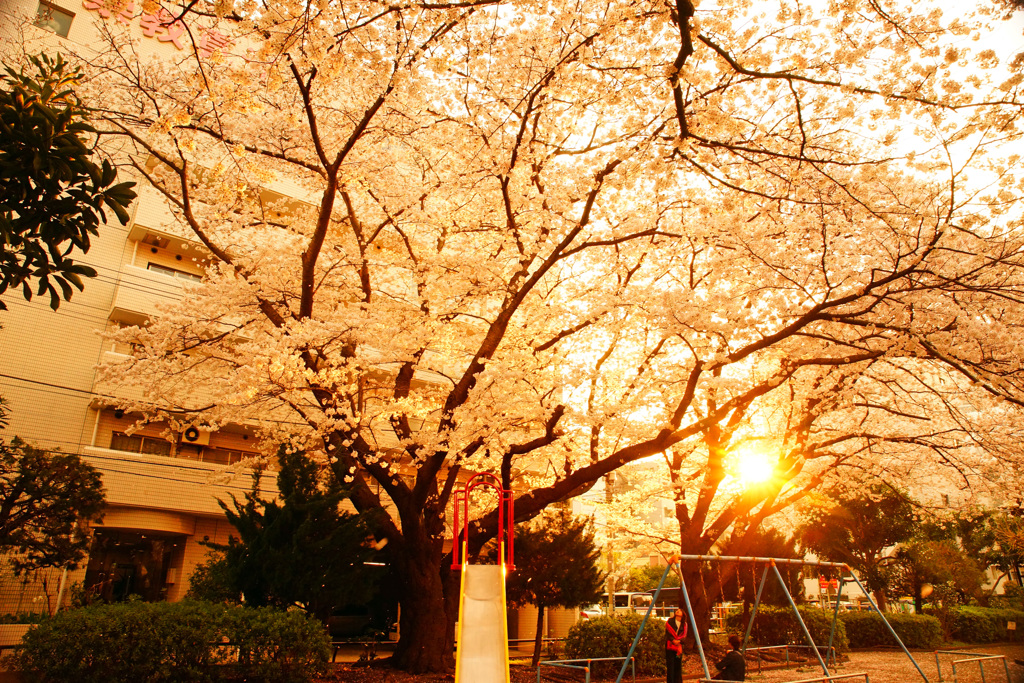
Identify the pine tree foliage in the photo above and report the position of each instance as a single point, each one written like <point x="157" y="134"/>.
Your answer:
<point x="862" y="529"/>
<point x="557" y="563"/>
<point x="303" y="550"/>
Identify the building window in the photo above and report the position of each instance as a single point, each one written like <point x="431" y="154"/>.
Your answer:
<point x="223" y="456"/>
<point x="139" y="444"/>
<point x="173" y="272"/>
<point x="53" y="18"/>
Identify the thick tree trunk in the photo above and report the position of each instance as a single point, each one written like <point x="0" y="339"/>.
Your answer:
<point x="879" y="596"/>
<point x="426" y="642"/>
<point x="538" y="639"/>
<point x="701" y="600"/>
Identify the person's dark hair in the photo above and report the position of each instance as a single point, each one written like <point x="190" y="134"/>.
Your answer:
<point x="735" y="642"/>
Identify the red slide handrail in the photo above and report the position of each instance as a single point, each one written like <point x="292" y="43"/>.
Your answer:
<point x="506" y="517"/>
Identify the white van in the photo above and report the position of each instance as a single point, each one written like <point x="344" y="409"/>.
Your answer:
<point x="629" y="602"/>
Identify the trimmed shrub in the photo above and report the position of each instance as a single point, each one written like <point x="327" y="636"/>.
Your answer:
<point x="778" y="626"/>
<point x="180" y="642"/>
<point x="611" y="637"/>
<point x="276" y="646"/>
<point x="983" y="624"/>
<point x="865" y="629"/>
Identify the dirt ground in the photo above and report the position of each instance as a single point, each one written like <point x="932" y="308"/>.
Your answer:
<point x="892" y="666"/>
<point x="887" y="666"/>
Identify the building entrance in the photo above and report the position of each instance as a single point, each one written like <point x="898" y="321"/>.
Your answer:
<point x="127" y="563"/>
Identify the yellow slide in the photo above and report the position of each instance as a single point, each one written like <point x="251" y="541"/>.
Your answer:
<point x="482" y="655"/>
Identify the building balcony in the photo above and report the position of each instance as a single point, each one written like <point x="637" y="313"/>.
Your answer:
<point x="178" y="485"/>
<point x="140" y="291"/>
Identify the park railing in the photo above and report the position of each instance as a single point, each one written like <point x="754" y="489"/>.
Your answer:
<point x="967" y="658"/>
<point x="584" y="665"/>
<point x="830" y="652"/>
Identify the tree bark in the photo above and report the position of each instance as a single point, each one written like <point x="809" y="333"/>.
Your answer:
<point x="538" y="639"/>
<point x="880" y="600"/>
<point x="427" y="637"/>
<point x="700" y="601"/>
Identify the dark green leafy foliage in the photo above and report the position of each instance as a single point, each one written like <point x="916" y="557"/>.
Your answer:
<point x="741" y="580"/>
<point x="938" y="562"/>
<point x="865" y="629"/>
<point x="1012" y="598"/>
<point x="213" y="580"/>
<point x="858" y="528"/>
<point x="185" y="642"/>
<point x="556" y="563"/>
<point x="52" y="195"/>
<point x="778" y="626"/>
<point x="46" y="501"/>
<point x="981" y="624"/>
<point x="612" y="636"/>
<point x="302" y="550"/>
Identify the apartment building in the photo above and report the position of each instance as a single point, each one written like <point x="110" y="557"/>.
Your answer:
<point x="163" y="486"/>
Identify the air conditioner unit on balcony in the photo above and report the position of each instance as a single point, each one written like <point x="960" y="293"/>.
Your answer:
<point x="196" y="436"/>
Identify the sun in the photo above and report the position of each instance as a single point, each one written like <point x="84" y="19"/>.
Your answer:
<point x="753" y="467"/>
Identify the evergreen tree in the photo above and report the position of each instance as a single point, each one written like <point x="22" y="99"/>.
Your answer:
<point x="741" y="580"/>
<point x="857" y="528"/>
<point x="648" y="577"/>
<point x="302" y="550"/>
<point x="937" y="561"/>
<point x="46" y="502"/>
<point x="556" y="566"/>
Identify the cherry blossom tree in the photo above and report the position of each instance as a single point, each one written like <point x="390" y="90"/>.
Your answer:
<point x="550" y="241"/>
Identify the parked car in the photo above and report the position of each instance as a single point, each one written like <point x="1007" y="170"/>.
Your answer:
<point x="591" y="611"/>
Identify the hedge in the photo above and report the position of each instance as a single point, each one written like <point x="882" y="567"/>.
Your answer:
<point x="778" y="626"/>
<point x="865" y="629"/>
<point x="183" y="642"/>
<point x="983" y="624"/>
<point x="611" y="637"/>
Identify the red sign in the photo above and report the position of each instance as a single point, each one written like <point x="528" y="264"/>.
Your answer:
<point x="161" y="25"/>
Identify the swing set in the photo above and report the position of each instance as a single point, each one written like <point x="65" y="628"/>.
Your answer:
<point x="771" y="564"/>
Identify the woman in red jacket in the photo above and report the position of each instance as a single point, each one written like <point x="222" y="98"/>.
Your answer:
<point x="675" y="632"/>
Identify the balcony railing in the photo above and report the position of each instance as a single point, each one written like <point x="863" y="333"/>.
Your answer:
<point x="160" y="482"/>
<point x="139" y="293"/>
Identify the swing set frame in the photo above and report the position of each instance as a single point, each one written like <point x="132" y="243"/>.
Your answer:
<point x="771" y="564"/>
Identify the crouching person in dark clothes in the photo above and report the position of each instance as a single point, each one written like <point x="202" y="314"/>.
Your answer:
<point x="732" y="667"/>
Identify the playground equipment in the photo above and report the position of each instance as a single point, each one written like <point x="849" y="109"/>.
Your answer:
<point x="961" y="657"/>
<point x="482" y="651"/>
<point x="770" y="564"/>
